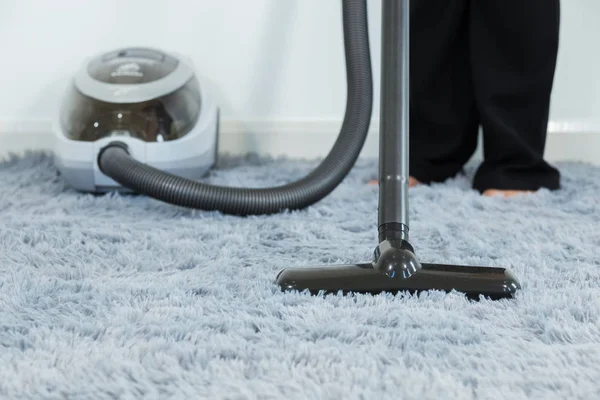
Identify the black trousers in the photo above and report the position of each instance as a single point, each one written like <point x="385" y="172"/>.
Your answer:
<point x="488" y="64"/>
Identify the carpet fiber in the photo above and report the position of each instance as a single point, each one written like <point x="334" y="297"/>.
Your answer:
<point x="122" y="297"/>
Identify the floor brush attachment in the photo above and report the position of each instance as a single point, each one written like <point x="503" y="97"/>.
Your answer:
<point x="395" y="269"/>
<point x="474" y="282"/>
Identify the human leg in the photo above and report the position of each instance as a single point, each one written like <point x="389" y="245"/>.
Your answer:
<point x="514" y="45"/>
<point x="443" y="116"/>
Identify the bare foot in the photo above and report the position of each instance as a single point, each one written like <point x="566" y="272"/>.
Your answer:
<point x="412" y="182"/>
<point x="505" y="193"/>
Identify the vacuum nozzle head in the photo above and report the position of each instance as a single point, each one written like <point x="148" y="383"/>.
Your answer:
<point x="396" y="259"/>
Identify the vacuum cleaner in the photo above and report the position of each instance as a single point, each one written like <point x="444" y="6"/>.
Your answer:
<point x="141" y="120"/>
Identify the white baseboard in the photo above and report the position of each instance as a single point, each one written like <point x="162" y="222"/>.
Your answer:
<point x="567" y="141"/>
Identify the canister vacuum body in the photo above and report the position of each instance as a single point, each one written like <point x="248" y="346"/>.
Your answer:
<point x="151" y="102"/>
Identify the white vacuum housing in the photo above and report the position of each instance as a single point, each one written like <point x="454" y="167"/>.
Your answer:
<point x="151" y="101"/>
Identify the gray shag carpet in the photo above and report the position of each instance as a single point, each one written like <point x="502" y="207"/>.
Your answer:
<point x="123" y="297"/>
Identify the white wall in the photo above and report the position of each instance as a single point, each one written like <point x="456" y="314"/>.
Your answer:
<point x="269" y="58"/>
<point x="278" y="62"/>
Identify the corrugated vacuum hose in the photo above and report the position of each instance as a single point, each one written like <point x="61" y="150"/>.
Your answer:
<point x="115" y="162"/>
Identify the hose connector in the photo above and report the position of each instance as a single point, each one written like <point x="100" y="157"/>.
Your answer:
<point x="111" y="145"/>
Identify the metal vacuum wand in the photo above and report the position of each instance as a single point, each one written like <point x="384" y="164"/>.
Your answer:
<point x="394" y="115"/>
<point x="394" y="255"/>
<point x="395" y="267"/>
